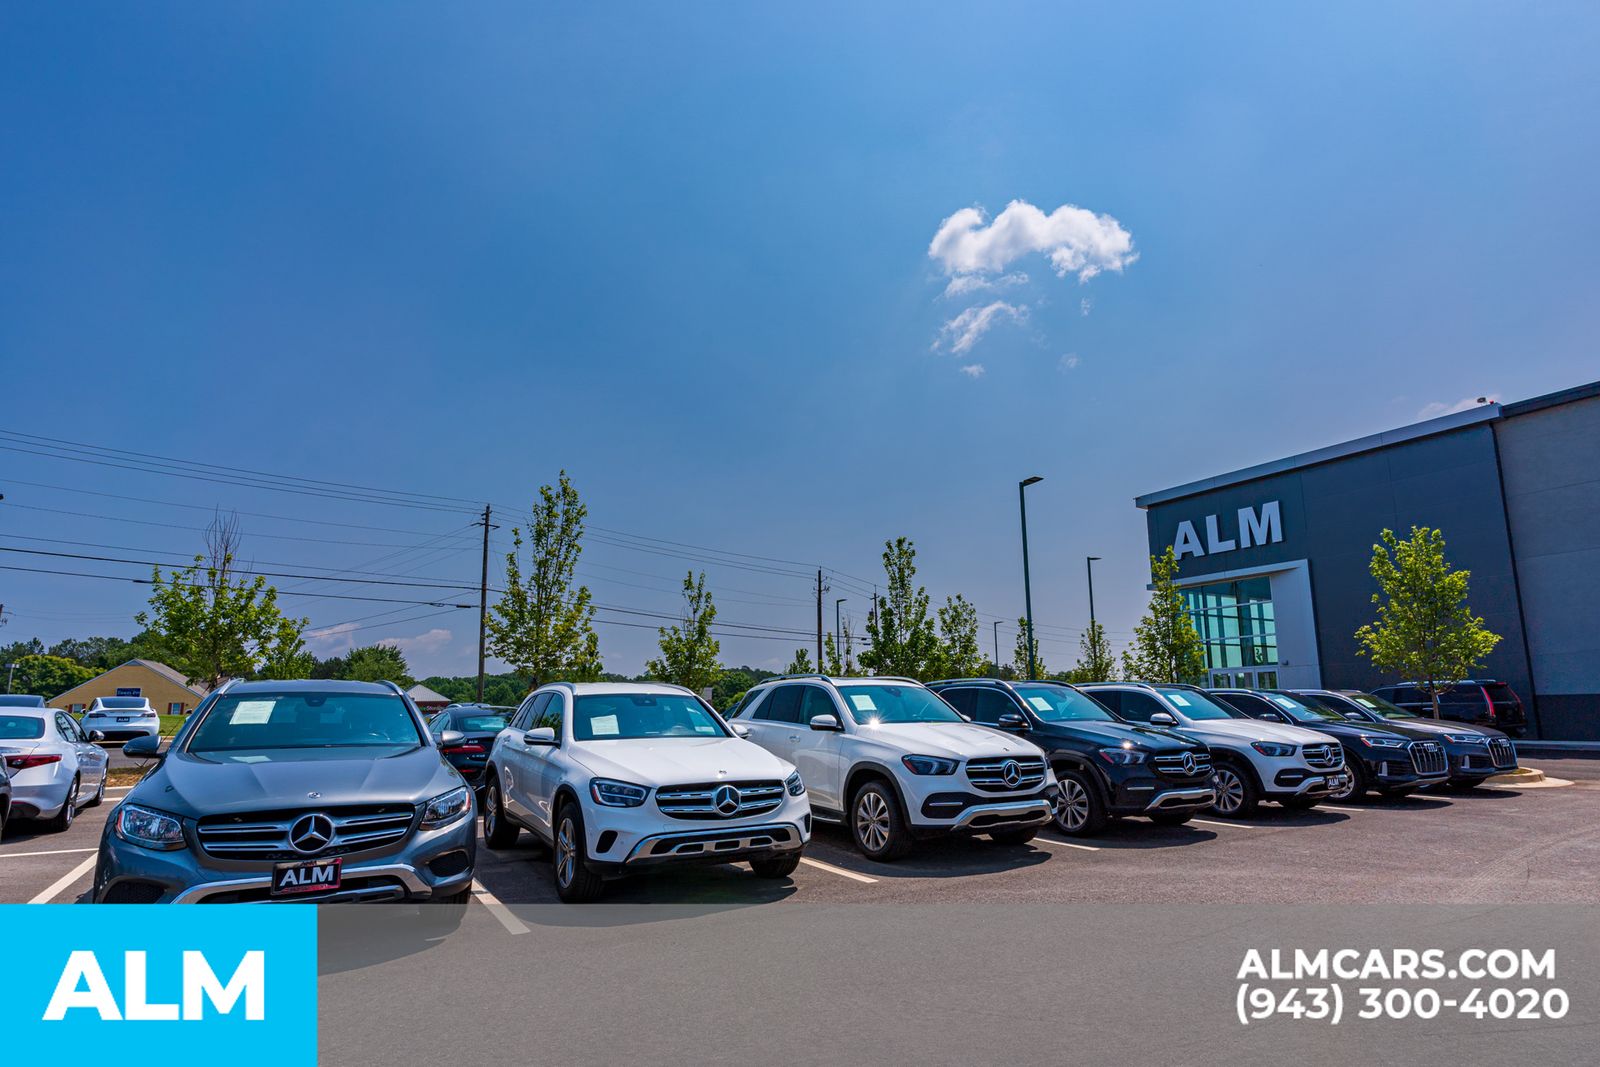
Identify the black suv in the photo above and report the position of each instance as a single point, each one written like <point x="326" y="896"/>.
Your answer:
<point x="1107" y="767"/>
<point x="1483" y="701"/>
<point x="1476" y="753"/>
<point x="1392" y="760"/>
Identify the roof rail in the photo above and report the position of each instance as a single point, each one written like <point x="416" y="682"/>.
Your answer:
<point x="397" y="690"/>
<point x="800" y="674"/>
<point x="969" y="681"/>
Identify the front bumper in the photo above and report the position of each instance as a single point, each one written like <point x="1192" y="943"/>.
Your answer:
<point x="976" y="813"/>
<point x="631" y="838"/>
<point x="426" y="864"/>
<point x="1179" y="800"/>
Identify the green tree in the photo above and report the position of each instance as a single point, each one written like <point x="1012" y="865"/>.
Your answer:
<point x="900" y="635"/>
<point x="47" y="676"/>
<point x="1095" y="661"/>
<point x="801" y="664"/>
<point x="688" y="650"/>
<point x="1424" y="631"/>
<point x="1166" y="647"/>
<point x="1019" y="654"/>
<point x="542" y="626"/>
<point x="208" y="626"/>
<point x="959" y="654"/>
<point x="287" y="656"/>
<point x="377" y="663"/>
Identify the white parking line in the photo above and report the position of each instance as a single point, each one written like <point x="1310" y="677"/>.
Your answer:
<point x="831" y="869"/>
<point x="63" y="882"/>
<point x="512" y="924"/>
<point x="1330" y="807"/>
<point x="1068" y="844"/>
<point x="52" y="852"/>
<point x="1227" y="825"/>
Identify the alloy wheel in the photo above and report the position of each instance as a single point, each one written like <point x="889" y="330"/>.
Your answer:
<point x="872" y="820"/>
<point x="1072" y="806"/>
<point x="1230" y="791"/>
<point x="566" y="852"/>
<point x="491" y="809"/>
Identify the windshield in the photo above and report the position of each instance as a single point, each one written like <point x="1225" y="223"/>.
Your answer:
<point x="478" y="723"/>
<point x="1382" y="706"/>
<point x="21" y="727"/>
<point x="1057" y="703"/>
<point x="1301" y="712"/>
<point x="122" y="703"/>
<point x="1198" y="706"/>
<point x="630" y="716"/>
<point x="261" y="721"/>
<point x="871" y="705"/>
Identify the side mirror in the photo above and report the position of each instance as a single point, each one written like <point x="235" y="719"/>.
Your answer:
<point x="544" y="736"/>
<point x="451" y="738"/>
<point x="826" y="722"/>
<point x="1162" y="718"/>
<point x="1012" y="721"/>
<point x="97" y="735"/>
<point x="964" y="716"/>
<point x="142" y="747"/>
<point x="739" y="729"/>
<point x="1355" y="716"/>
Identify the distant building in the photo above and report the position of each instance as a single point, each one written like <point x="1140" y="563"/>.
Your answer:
<point x="426" y="699"/>
<point x="166" y="689"/>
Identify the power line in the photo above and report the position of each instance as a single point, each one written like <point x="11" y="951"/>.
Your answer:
<point x="150" y="581"/>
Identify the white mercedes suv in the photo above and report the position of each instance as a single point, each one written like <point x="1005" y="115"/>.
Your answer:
<point x="1254" y="760"/>
<point x="894" y="762"/>
<point x="620" y="777"/>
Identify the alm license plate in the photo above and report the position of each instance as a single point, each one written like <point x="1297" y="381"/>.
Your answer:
<point x="317" y="876"/>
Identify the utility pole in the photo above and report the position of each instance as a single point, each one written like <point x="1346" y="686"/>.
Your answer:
<point x="11" y="668"/>
<point x="838" y="634"/>
<point x="1089" y="566"/>
<point x="1027" y="584"/>
<point x="483" y="598"/>
<point x="997" y="648"/>
<point x="821" y="589"/>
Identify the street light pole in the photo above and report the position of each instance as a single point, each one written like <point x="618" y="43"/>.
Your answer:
<point x="11" y="668"/>
<point x="838" y="633"/>
<point x="1089" y="566"/>
<point x="997" y="648"/>
<point x="1027" y="583"/>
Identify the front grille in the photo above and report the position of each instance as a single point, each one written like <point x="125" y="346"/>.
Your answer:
<point x="702" y="802"/>
<point x="991" y="774"/>
<point x="1173" y="765"/>
<point x="1427" y="757"/>
<point x="1502" y="752"/>
<point x="264" y="835"/>
<point x="1324" y="757"/>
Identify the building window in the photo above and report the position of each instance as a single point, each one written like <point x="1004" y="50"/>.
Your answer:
<point x="175" y="708"/>
<point x="1236" y="623"/>
<point x="77" y="709"/>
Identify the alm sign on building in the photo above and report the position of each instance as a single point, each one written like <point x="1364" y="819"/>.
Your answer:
<point x="1255" y="526"/>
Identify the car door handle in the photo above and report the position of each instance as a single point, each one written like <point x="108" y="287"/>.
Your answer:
<point x="794" y="737"/>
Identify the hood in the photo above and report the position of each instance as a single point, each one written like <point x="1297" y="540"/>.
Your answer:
<point x="1115" y="733"/>
<point x="1247" y="730"/>
<point x="657" y="761"/>
<point x="1415" y="728"/>
<point x="195" y="785"/>
<point x="954" y="740"/>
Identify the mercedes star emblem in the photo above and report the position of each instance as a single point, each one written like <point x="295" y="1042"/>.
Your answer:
<point x="1188" y="763"/>
<point x="1011" y="772"/>
<point x="725" y="800"/>
<point x="310" y="834"/>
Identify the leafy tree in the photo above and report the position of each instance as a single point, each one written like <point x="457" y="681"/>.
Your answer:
<point x="542" y="626"/>
<point x="960" y="655"/>
<point x="287" y="656"/>
<point x="102" y="653"/>
<point x="801" y="664"/>
<point x="1425" y="631"/>
<point x="208" y="626"/>
<point x="900" y="634"/>
<point x="377" y="663"/>
<point x="1019" y="655"/>
<point x="1095" y="661"/>
<point x="506" y="690"/>
<point x="1166" y="647"/>
<point x="17" y="649"/>
<point x="47" y="676"/>
<point x="689" y="651"/>
<point x="734" y="683"/>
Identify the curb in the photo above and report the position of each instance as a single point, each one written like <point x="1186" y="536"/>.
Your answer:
<point x="1525" y="778"/>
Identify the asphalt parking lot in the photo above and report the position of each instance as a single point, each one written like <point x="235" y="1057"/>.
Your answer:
<point x="1493" y="845"/>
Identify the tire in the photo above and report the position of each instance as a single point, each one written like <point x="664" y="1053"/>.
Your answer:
<point x="875" y="823"/>
<point x="1020" y="836"/>
<point x="99" y="794"/>
<point x="1360" y="782"/>
<point x="69" y="811"/>
<point x="3" y="816"/>
<point x="775" y="867"/>
<point x="1078" y="810"/>
<point x="1237" y="795"/>
<point x="1170" y="818"/>
<point x="575" y="882"/>
<point x="499" y="832"/>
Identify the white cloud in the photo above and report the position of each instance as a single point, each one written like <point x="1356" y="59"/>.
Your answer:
<point x="962" y="284"/>
<point x="424" y="643"/>
<point x="1069" y="361"/>
<point x="331" y="639"/>
<point x="1074" y="240"/>
<point x="973" y="370"/>
<point x="1439" y="407"/>
<point x="965" y="330"/>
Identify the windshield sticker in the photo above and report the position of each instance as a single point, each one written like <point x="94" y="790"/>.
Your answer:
<point x="1039" y="703"/>
<point x="1282" y="702"/>
<point x="1364" y="703"/>
<point x="863" y="702"/>
<point x="1178" y="699"/>
<point x="251" y="713"/>
<point x="604" y="726"/>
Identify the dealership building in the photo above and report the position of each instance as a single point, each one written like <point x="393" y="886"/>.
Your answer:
<point x="1274" y="558"/>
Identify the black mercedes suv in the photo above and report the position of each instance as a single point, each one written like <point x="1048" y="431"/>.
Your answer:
<point x="1107" y="768"/>
<point x="1393" y="761"/>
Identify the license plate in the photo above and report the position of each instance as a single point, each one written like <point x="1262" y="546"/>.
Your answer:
<point x="314" y="876"/>
<point x="124" y="718"/>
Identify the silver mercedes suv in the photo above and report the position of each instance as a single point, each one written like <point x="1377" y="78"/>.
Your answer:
<point x="307" y="790"/>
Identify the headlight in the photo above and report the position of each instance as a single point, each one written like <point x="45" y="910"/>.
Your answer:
<point x="929" y="764"/>
<point x="1467" y="739"/>
<point x="1272" y="748"/>
<point x="1123" y="757"/>
<point x="617" y="794"/>
<point x="1374" y="741"/>
<point x="149" y="829"/>
<point x="446" y="809"/>
<point x="794" y="785"/>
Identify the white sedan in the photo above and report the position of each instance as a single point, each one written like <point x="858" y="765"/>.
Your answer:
<point x="53" y="764"/>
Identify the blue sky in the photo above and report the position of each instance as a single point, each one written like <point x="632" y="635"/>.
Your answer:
<point x="682" y="251"/>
